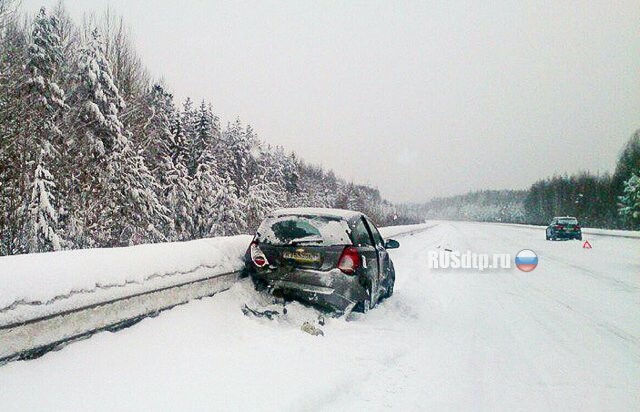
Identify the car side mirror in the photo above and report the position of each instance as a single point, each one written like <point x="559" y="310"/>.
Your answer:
<point x="391" y="244"/>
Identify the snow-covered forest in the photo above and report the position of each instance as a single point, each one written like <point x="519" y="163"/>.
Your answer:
<point x="480" y="206"/>
<point x="604" y="201"/>
<point x="95" y="153"/>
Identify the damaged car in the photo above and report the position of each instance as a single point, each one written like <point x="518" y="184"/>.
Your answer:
<point x="332" y="258"/>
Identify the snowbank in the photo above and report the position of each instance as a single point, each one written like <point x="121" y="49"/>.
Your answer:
<point x="391" y="231"/>
<point x="48" y="278"/>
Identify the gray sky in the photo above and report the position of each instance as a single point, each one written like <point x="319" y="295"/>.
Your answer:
<point x="420" y="99"/>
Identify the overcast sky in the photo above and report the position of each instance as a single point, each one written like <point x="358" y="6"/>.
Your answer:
<point x="420" y="99"/>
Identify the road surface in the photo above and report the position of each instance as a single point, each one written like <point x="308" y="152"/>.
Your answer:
<point x="563" y="337"/>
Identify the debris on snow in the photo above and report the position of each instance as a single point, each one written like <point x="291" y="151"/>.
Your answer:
<point x="311" y="330"/>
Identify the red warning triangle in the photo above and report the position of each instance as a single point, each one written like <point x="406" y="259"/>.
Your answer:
<point x="586" y="245"/>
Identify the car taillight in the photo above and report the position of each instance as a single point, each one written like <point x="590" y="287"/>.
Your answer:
<point x="257" y="256"/>
<point x="577" y="227"/>
<point x="349" y="260"/>
<point x="558" y="227"/>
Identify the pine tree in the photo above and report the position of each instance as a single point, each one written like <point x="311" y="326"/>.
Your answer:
<point x="188" y="130"/>
<point x="229" y="217"/>
<point x="130" y="196"/>
<point x="630" y="201"/>
<point x="178" y="199"/>
<point x="262" y="197"/>
<point x="117" y="193"/>
<point x="47" y="102"/>
<point x="164" y="153"/>
<point x="239" y="153"/>
<point x="99" y="99"/>
<point x="43" y="236"/>
<point x="205" y="188"/>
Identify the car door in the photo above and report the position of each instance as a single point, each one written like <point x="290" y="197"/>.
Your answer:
<point x="383" y="255"/>
<point x="363" y="240"/>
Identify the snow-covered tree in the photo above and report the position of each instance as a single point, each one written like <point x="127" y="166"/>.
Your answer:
<point x="238" y="150"/>
<point x="133" y="213"/>
<point x="46" y="100"/>
<point x="117" y="191"/>
<point x="229" y="217"/>
<point x="206" y="133"/>
<point x="178" y="198"/>
<point x="43" y="236"/>
<point x="98" y="99"/>
<point x="164" y="151"/>
<point x="45" y="54"/>
<point x="630" y="201"/>
<point x="262" y="197"/>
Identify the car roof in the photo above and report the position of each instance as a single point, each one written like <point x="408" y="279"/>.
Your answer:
<point x="565" y="217"/>
<point x="317" y="211"/>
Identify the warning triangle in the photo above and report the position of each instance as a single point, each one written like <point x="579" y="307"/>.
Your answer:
<point x="586" y="245"/>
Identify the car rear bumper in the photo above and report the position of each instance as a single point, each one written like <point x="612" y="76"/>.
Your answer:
<point x="331" y="289"/>
<point x="568" y="235"/>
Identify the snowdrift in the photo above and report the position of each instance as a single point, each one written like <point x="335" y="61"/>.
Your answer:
<point x="39" y="284"/>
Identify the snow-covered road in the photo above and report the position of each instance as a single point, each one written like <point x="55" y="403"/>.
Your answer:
<point x="563" y="337"/>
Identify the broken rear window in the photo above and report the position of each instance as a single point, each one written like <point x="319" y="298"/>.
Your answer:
<point x="308" y="230"/>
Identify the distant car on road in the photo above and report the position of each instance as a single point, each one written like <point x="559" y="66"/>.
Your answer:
<point x="564" y="227"/>
<point x="331" y="258"/>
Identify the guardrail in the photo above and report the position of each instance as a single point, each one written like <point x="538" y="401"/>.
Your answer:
<point x="33" y="338"/>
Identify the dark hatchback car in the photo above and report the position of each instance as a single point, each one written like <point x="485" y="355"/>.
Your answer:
<point x="565" y="227"/>
<point x="331" y="258"/>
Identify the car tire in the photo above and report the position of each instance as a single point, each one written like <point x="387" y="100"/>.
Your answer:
<point x="365" y="305"/>
<point x="260" y="285"/>
<point x="390" y="286"/>
<point x="579" y="237"/>
<point x="390" y="282"/>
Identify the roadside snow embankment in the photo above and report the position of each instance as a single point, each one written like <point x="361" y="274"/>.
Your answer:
<point x="391" y="231"/>
<point x="40" y="284"/>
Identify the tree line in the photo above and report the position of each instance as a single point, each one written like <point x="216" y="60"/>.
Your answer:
<point x="93" y="153"/>
<point x="479" y="206"/>
<point x="605" y="201"/>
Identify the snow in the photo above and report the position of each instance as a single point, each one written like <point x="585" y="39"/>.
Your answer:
<point x="316" y="211"/>
<point x="329" y="232"/>
<point x="563" y="337"/>
<point x="395" y="231"/>
<point x="37" y="284"/>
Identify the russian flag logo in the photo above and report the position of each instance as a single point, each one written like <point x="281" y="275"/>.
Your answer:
<point x="526" y="260"/>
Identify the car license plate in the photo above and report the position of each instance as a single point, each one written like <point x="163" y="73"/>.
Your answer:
<point x="301" y="256"/>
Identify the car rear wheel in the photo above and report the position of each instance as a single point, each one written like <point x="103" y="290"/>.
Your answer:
<point x="390" y="285"/>
<point x="389" y="282"/>
<point x="365" y="305"/>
